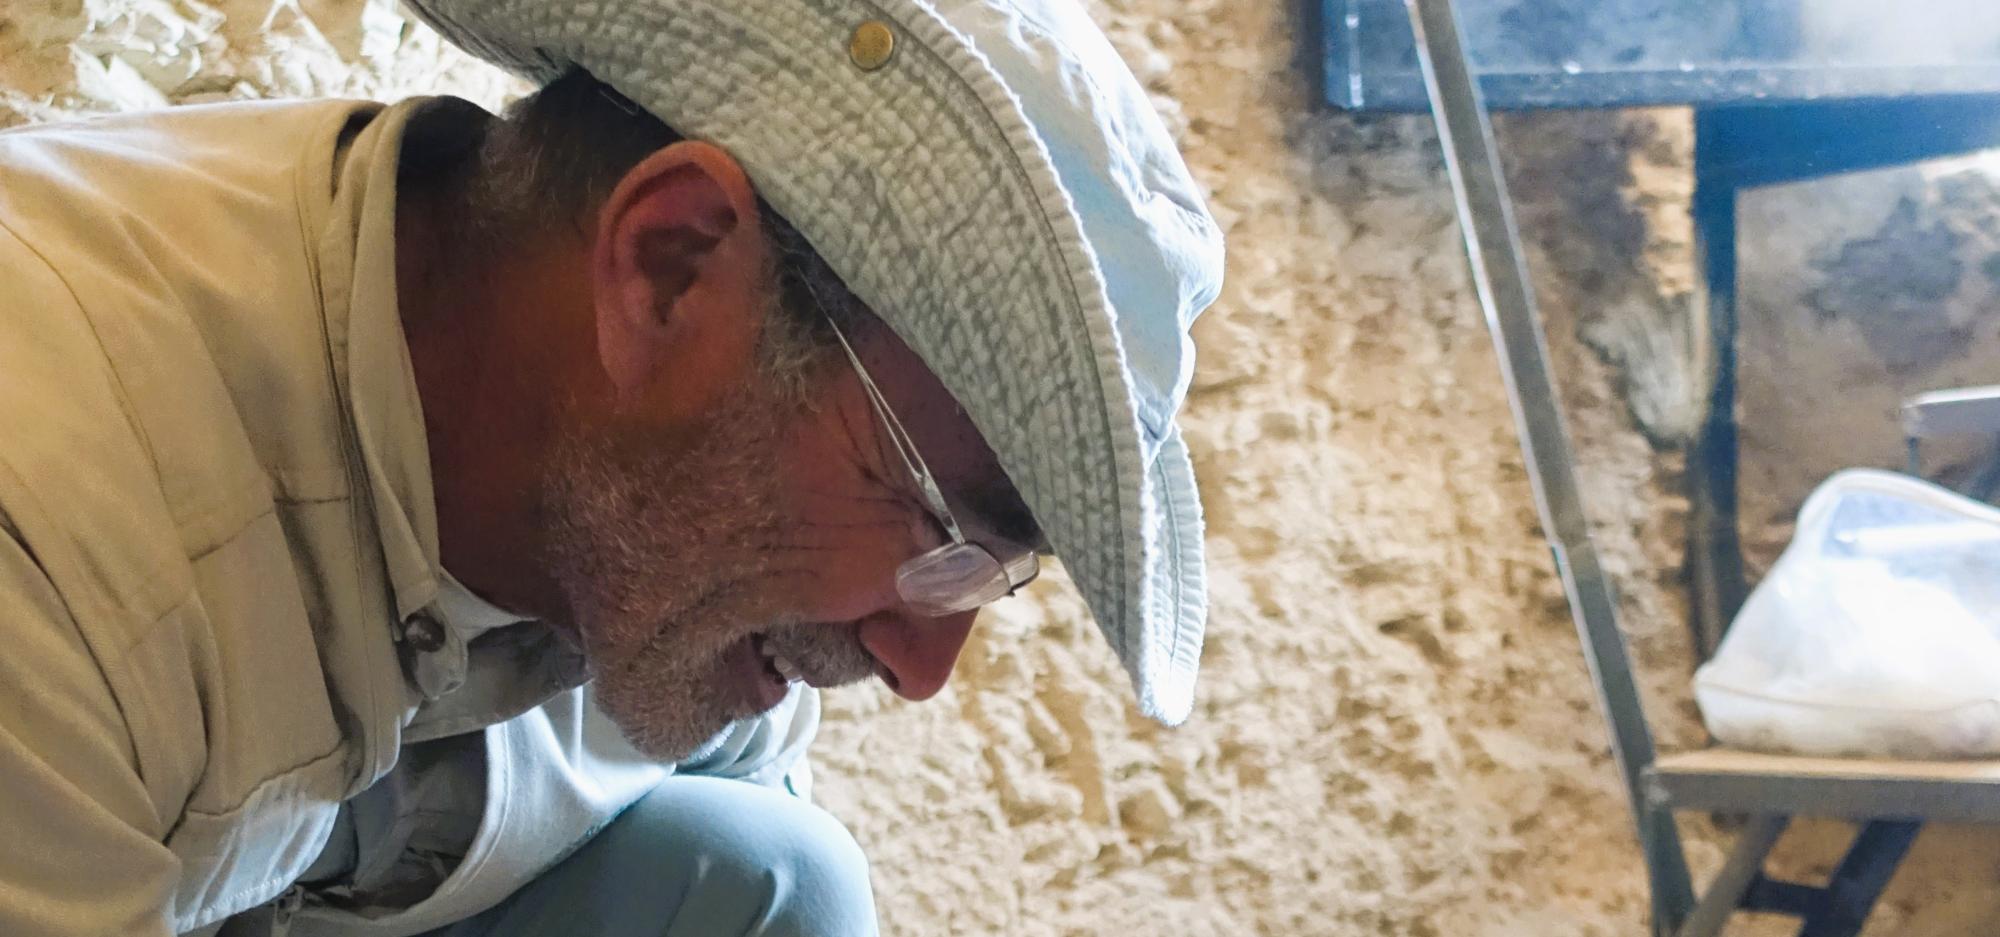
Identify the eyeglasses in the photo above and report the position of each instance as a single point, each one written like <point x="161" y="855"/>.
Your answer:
<point x="958" y="576"/>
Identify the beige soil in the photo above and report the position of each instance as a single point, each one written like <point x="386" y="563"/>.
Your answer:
<point x="1396" y="734"/>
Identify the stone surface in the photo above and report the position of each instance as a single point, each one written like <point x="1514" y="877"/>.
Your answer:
<point x="1395" y="732"/>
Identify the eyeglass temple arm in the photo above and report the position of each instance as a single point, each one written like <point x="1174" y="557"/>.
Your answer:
<point x="905" y="448"/>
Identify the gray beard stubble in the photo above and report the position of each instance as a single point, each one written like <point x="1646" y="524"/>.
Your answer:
<point x="667" y="550"/>
<point x="660" y="550"/>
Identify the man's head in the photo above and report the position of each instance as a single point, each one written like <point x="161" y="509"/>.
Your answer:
<point x="715" y="503"/>
<point x="993" y="181"/>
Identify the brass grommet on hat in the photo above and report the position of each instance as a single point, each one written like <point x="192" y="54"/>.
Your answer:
<point x="871" y="46"/>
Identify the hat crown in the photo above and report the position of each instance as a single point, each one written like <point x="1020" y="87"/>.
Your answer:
<point x="1159" y="251"/>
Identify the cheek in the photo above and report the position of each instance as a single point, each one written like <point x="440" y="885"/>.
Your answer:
<point x="847" y="533"/>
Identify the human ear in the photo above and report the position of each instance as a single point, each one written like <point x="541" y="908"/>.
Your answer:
<point x="677" y="276"/>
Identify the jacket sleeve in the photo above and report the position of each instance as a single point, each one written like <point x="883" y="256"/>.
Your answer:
<point x="84" y="854"/>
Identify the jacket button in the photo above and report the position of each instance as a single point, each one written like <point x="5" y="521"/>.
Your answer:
<point x="423" y="633"/>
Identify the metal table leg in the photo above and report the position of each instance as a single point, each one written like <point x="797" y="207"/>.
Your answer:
<point x="1501" y="275"/>
<point x="1870" y="862"/>
<point x="1745" y="866"/>
<point x="1841" y="907"/>
<point x="1715" y="550"/>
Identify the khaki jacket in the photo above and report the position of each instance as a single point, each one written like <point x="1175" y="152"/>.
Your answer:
<point x="217" y="534"/>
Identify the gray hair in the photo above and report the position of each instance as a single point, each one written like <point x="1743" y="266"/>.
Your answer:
<point x="556" y="156"/>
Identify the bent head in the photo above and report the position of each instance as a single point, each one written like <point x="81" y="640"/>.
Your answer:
<point x="715" y="505"/>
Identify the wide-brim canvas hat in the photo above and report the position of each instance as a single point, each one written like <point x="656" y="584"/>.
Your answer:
<point x="992" y="181"/>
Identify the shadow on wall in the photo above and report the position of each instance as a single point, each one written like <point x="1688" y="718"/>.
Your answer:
<point x="1855" y="292"/>
<point x="1602" y="202"/>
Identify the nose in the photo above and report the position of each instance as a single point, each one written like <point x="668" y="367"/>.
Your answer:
<point x="917" y="653"/>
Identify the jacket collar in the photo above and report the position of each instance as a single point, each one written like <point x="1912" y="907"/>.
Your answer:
<point x="472" y="664"/>
<point x="357" y="260"/>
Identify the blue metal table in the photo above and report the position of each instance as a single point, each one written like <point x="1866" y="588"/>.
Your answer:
<point x="1780" y="94"/>
<point x="1625" y="53"/>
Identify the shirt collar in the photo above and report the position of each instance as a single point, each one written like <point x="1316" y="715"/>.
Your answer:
<point x="468" y="614"/>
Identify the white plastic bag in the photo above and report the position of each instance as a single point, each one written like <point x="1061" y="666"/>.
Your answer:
<point x="1877" y="633"/>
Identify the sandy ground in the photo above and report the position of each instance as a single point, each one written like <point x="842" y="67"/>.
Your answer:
<point x="1395" y="732"/>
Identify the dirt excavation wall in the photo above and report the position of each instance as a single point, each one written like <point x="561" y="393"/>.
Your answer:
<point x="1396" y="733"/>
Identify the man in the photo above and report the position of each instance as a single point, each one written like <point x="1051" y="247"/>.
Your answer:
<point x="421" y="521"/>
